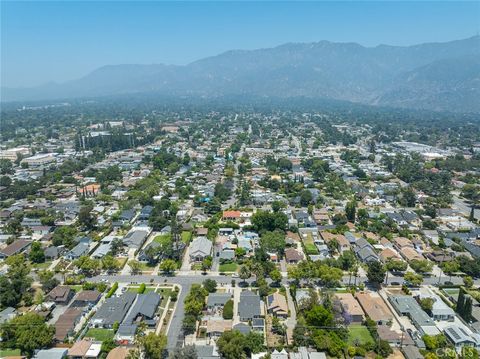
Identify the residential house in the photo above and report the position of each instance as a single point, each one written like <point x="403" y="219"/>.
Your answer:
<point x="217" y="300"/>
<point x="351" y="309"/>
<point x="374" y="307"/>
<point x="135" y="238"/>
<point x="407" y="305"/>
<point x="217" y="326"/>
<point x="7" y="314"/>
<point x="65" y="324"/>
<point x="61" y="294"/>
<point x="17" y="247"/>
<point x="461" y="338"/>
<point x="200" y="248"/>
<point x="86" y="298"/>
<point x="113" y="310"/>
<point x="231" y="216"/>
<point x="365" y="251"/>
<point x="249" y="306"/>
<point x="85" y="349"/>
<point x="79" y="250"/>
<point x="293" y="256"/>
<point x="277" y="305"/>
<point x="144" y="309"/>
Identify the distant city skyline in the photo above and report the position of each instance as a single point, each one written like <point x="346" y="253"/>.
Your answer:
<point x="48" y="41"/>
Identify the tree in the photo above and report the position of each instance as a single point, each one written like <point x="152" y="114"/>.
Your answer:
<point x="108" y="345"/>
<point x="16" y="282"/>
<point x="273" y="241"/>
<point x="231" y="345"/>
<point x="450" y="268"/>
<point x="48" y="280"/>
<point x="319" y="316"/>
<point x="468" y="281"/>
<point x="87" y="265"/>
<point x="85" y="217"/>
<point x="187" y="352"/>
<point x="168" y="266"/>
<point x="153" y="345"/>
<point x="116" y="246"/>
<point x="276" y="276"/>
<point x="306" y="197"/>
<point x="421" y="266"/>
<point x="244" y="273"/>
<point x="350" y="210"/>
<point x="383" y="348"/>
<point x="135" y="266"/>
<point x="27" y="332"/>
<point x="427" y="304"/>
<point x="376" y="273"/>
<point x="413" y="279"/>
<point x="6" y="167"/>
<point x="206" y="263"/>
<point x="37" y="254"/>
<point x="189" y="324"/>
<point x="109" y="263"/>
<point x="210" y="285"/>
<point x="471" y="217"/>
<point x="228" y="310"/>
<point x="269" y="221"/>
<point x="396" y="265"/>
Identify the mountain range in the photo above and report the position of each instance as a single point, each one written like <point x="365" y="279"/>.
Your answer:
<point x="432" y="76"/>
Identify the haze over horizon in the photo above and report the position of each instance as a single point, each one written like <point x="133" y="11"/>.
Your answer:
<point x="44" y="41"/>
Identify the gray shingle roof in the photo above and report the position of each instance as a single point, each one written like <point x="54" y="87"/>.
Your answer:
<point x="249" y="305"/>
<point x="114" y="309"/>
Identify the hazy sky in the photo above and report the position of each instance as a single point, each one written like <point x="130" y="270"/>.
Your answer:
<point x="58" y="41"/>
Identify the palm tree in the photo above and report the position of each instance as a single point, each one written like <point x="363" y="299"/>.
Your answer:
<point x="245" y="273"/>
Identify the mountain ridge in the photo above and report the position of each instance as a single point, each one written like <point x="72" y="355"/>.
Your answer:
<point x="323" y="69"/>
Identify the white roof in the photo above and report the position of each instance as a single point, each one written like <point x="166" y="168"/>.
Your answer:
<point x="94" y="350"/>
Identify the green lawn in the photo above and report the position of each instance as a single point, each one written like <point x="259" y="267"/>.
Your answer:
<point x="165" y="295"/>
<point x="76" y="288"/>
<point x="164" y="238"/>
<point x="359" y="334"/>
<point x="186" y="237"/>
<point x="100" y="334"/>
<point x="41" y="266"/>
<point x="9" y="353"/>
<point x="228" y="267"/>
<point x="310" y="248"/>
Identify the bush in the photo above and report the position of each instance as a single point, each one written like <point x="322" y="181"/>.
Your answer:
<point x="142" y="288"/>
<point x="228" y="310"/>
<point x="173" y="296"/>
<point x="112" y="290"/>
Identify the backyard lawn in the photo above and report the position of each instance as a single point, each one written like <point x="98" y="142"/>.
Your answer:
<point x="186" y="237"/>
<point x="228" y="267"/>
<point x="310" y="247"/>
<point x="9" y="352"/>
<point x="163" y="239"/>
<point x="359" y="334"/>
<point x="100" y="334"/>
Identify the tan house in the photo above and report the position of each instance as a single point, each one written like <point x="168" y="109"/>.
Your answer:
<point x="277" y="305"/>
<point x="401" y="242"/>
<point x="388" y="254"/>
<point x="375" y="308"/>
<point x="351" y="307"/>
<point x="410" y="254"/>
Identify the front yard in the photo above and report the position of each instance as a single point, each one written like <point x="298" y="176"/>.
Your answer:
<point x="228" y="267"/>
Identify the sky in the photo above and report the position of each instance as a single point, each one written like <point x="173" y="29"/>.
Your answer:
<point x="60" y="41"/>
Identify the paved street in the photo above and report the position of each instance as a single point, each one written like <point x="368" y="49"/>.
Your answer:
<point x="464" y="207"/>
